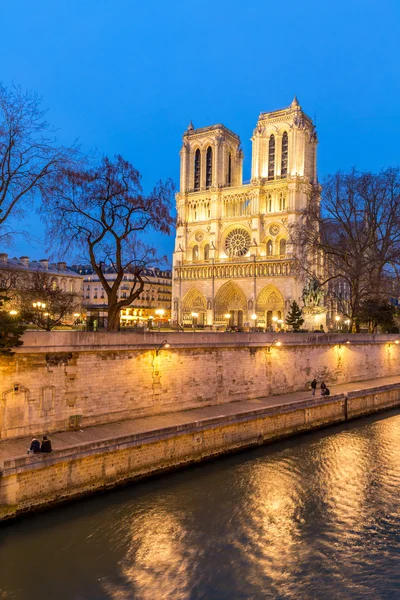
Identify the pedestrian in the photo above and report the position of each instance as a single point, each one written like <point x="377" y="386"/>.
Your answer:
<point x="46" y="445"/>
<point x="313" y="386"/>
<point x="327" y="392"/>
<point x="323" y="388"/>
<point x="34" y="447"/>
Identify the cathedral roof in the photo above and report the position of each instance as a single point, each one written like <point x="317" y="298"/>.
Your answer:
<point x="201" y="130"/>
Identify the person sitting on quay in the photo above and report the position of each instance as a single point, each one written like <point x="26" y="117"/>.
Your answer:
<point x="46" y="445"/>
<point x="323" y="388"/>
<point x="34" y="447"/>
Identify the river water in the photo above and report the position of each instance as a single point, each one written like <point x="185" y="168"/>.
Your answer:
<point x="317" y="516"/>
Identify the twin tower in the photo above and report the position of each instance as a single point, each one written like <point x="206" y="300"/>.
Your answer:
<point x="232" y="255"/>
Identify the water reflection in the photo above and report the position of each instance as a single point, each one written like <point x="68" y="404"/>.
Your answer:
<point x="316" y="517"/>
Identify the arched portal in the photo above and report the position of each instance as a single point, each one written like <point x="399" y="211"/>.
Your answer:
<point x="270" y="303"/>
<point x="193" y="302"/>
<point x="230" y="299"/>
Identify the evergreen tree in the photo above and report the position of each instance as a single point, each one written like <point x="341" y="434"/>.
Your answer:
<point x="294" y="318"/>
<point x="11" y="328"/>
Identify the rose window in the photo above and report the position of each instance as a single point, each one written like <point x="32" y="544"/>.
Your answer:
<point x="237" y="242"/>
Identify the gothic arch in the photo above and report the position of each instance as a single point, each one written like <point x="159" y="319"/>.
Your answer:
<point x="193" y="301"/>
<point x="230" y="297"/>
<point x="270" y="299"/>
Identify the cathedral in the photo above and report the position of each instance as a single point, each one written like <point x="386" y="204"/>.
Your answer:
<point x="233" y="263"/>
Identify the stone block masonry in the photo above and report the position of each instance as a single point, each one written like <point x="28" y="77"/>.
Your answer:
<point x="95" y="462"/>
<point x="62" y="380"/>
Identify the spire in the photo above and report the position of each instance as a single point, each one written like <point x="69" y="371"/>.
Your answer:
<point x="190" y="126"/>
<point x="295" y="102"/>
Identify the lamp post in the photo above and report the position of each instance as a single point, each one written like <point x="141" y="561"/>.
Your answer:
<point x="254" y="318"/>
<point x="39" y="307"/>
<point x="347" y="323"/>
<point x="160" y="313"/>
<point x="13" y="313"/>
<point x="227" y="317"/>
<point x="280" y="324"/>
<point x="337" y="319"/>
<point x="275" y="320"/>
<point x="194" y="320"/>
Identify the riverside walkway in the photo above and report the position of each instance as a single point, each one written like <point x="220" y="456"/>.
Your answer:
<point x="11" y="449"/>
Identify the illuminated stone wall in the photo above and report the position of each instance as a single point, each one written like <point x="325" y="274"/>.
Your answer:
<point x="95" y="378"/>
<point x="34" y="481"/>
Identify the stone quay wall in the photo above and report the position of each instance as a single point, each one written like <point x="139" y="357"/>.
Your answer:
<point x="36" y="481"/>
<point x="61" y="380"/>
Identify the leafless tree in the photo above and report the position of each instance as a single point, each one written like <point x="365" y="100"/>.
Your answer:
<point x="351" y="235"/>
<point x="43" y="288"/>
<point x="102" y="212"/>
<point x="29" y="153"/>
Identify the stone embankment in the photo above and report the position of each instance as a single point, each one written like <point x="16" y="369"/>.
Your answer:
<point x="107" y="455"/>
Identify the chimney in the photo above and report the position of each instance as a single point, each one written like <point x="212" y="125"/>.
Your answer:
<point x="24" y="260"/>
<point x="62" y="266"/>
<point x="4" y="258"/>
<point x="44" y="263"/>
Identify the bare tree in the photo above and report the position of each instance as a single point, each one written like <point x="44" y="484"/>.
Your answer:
<point x="103" y="212"/>
<point x="43" y="302"/>
<point x="29" y="153"/>
<point x="351" y="237"/>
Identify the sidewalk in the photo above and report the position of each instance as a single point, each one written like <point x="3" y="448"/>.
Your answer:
<point x="15" y="448"/>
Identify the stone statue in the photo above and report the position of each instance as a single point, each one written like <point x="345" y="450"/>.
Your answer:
<point x="312" y="295"/>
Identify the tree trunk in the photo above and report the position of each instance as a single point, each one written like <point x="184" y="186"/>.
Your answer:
<point x="113" y="319"/>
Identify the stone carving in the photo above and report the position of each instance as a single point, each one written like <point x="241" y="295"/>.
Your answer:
<point x="237" y="242"/>
<point x="312" y="295"/>
<point x="274" y="229"/>
<point x="199" y="237"/>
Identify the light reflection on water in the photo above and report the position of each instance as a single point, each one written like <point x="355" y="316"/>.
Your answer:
<point x="312" y="517"/>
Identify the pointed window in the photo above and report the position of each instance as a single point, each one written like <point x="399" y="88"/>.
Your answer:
<point x="284" y="163"/>
<point x="206" y="252"/>
<point x="209" y="167"/>
<point x="269" y="248"/>
<point x="195" y="253"/>
<point x="282" y="247"/>
<point x="197" y="162"/>
<point x="271" y="157"/>
<point x="229" y="178"/>
<point x="269" y="203"/>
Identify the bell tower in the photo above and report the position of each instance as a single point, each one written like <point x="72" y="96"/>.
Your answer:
<point x="211" y="157"/>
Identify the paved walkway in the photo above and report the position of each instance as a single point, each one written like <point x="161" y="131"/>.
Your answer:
<point x="15" y="448"/>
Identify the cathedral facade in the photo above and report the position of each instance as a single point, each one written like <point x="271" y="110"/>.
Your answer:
<point x="233" y="260"/>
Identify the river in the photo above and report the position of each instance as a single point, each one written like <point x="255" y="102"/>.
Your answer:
<point x="313" y="517"/>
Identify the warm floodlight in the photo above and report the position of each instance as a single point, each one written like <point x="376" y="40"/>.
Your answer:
<point x="13" y="313"/>
<point x="254" y="317"/>
<point x="274" y="343"/>
<point x="164" y="344"/>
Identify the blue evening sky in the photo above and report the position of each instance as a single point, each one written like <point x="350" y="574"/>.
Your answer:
<point x="126" y="77"/>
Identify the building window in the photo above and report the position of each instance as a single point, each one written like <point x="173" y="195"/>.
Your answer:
<point x="284" y="162"/>
<point x="229" y="178"/>
<point x="269" y="203"/>
<point x="271" y="157"/>
<point x="207" y="252"/>
<point x="282" y="247"/>
<point x="195" y="253"/>
<point x="269" y="248"/>
<point x="209" y="167"/>
<point x="282" y="202"/>
<point x="197" y="163"/>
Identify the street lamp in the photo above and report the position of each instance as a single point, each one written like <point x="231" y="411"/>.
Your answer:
<point x="280" y="323"/>
<point x="275" y="320"/>
<point x="274" y="343"/>
<point x="164" y="344"/>
<point x="39" y="306"/>
<point x="347" y="323"/>
<point x="227" y="317"/>
<point x="254" y="318"/>
<point x="337" y="319"/>
<point x="160" y="313"/>
<point x="13" y="313"/>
